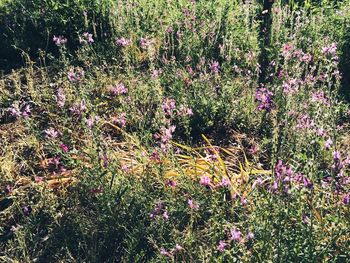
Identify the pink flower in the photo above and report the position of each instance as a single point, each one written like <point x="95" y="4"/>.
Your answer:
<point x="169" y="106"/>
<point x="328" y="143"/>
<point x="59" y="41"/>
<point x="60" y="97"/>
<point x="205" y="181"/>
<point x="178" y="247"/>
<point x="64" y="147"/>
<point x="214" y="67"/>
<point x="86" y="38"/>
<point x="78" y="108"/>
<point x="235" y="235"/>
<point x="225" y="182"/>
<point x="192" y="204"/>
<point x="120" y="119"/>
<point x="221" y="246"/>
<point x="250" y="236"/>
<point x="123" y="42"/>
<point x="51" y="133"/>
<point x="119" y="89"/>
<point x="76" y="74"/>
<point x="330" y="50"/>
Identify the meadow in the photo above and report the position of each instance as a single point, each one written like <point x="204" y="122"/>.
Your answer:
<point x="174" y="131"/>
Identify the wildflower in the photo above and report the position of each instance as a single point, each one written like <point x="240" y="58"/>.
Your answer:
<point x="214" y="67"/>
<point x="178" y="247"/>
<point x="164" y="252"/>
<point x="205" y="181"/>
<point x="145" y="42"/>
<point x="336" y="155"/>
<point x="64" y="147"/>
<point x="86" y="39"/>
<point x="91" y="121"/>
<point x="304" y="122"/>
<point x="235" y="234"/>
<point x="165" y="215"/>
<point x="14" y="111"/>
<point x="51" y="133"/>
<point x="56" y="161"/>
<point x="119" y="89"/>
<point x="264" y="97"/>
<point x="123" y="42"/>
<point x="221" y="246"/>
<point x="192" y="204"/>
<point x="78" y="108"/>
<point x="330" y="50"/>
<point x="156" y="73"/>
<point x="104" y="159"/>
<point x="346" y="199"/>
<point x="305" y="219"/>
<point x="26" y="210"/>
<point x="171" y="183"/>
<point x="26" y="111"/>
<point x="328" y="143"/>
<point x="60" y="97"/>
<point x="185" y="111"/>
<point x="120" y="119"/>
<point x="225" y="182"/>
<point x="287" y="50"/>
<point x="250" y="236"/>
<point x="125" y="168"/>
<point x="169" y="106"/>
<point x="76" y="74"/>
<point x="38" y="179"/>
<point x="59" y="41"/>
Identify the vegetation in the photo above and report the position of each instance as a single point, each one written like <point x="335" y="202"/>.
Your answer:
<point x="182" y="131"/>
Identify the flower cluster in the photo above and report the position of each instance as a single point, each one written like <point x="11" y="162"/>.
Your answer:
<point x="159" y="210"/>
<point x="123" y="42"/>
<point x="78" y="108"/>
<point x="76" y="74"/>
<point x="264" y="97"/>
<point x="118" y="89"/>
<point x="59" y="41"/>
<point x="86" y="38"/>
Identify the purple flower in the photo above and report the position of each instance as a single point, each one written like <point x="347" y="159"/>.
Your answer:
<point x="156" y="73"/>
<point x="164" y="252"/>
<point x="305" y="219"/>
<point x="123" y="42"/>
<point x="78" y="108"/>
<point x="336" y="155"/>
<point x="64" y="147"/>
<point x="250" y="236"/>
<point x="120" y="119"/>
<point x="60" y="97"/>
<point x="76" y="74"/>
<point x="26" y="111"/>
<point x="14" y="111"/>
<point x="346" y="199"/>
<point x="146" y="42"/>
<point x="51" y="133"/>
<point x="178" y="247"/>
<point x="328" y="143"/>
<point x="86" y="39"/>
<point x="225" y="182"/>
<point x="59" y="41"/>
<point x="222" y="246"/>
<point x="169" y="106"/>
<point x="235" y="235"/>
<point x="214" y="67"/>
<point x="192" y="204"/>
<point x="119" y="89"/>
<point x="205" y="181"/>
<point x="330" y="50"/>
<point x="26" y="210"/>
<point x="264" y="97"/>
